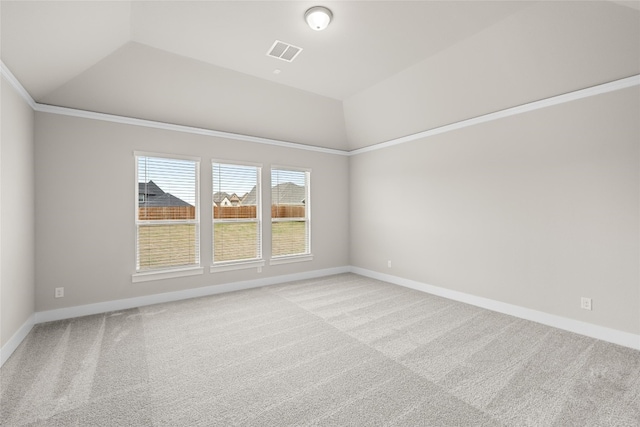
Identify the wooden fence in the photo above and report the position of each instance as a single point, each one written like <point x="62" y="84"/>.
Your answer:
<point x="234" y="212"/>
<point x="242" y="212"/>
<point x="287" y="211"/>
<point x="219" y="212"/>
<point x="159" y="213"/>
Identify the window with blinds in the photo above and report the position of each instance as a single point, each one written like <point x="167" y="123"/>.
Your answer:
<point x="167" y="214"/>
<point x="290" y="212"/>
<point x="237" y="227"/>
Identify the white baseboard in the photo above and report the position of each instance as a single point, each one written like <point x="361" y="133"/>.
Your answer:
<point x="123" y="304"/>
<point x="583" y="328"/>
<point x="7" y="350"/>
<point x="594" y="331"/>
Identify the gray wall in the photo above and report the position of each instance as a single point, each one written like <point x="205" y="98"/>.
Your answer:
<point x="545" y="50"/>
<point x="85" y="207"/>
<point x="147" y="83"/>
<point x="16" y="213"/>
<point x="535" y="210"/>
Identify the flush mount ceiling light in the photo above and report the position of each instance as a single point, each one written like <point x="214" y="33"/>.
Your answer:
<point x="318" y="17"/>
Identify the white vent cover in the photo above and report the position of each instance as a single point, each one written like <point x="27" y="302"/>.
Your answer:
<point x="285" y="51"/>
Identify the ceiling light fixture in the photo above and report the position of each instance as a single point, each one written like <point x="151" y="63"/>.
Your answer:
<point x="318" y="17"/>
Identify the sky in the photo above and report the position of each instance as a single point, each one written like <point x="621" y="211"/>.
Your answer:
<point x="178" y="177"/>
<point x="173" y="176"/>
<point x="234" y="178"/>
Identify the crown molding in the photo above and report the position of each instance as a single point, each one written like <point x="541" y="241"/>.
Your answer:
<point x="507" y="112"/>
<point x="11" y="79"/>
<point x="73" y="112"/>
<point x="64" y="111"/>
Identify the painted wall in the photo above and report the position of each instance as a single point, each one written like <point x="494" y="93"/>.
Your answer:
<point x="146" y="83"/>
<point x="535" y="210"/>
<point x="17" y="255"/>
<point x="86" y="207"/>
<point x="545" y="50"/>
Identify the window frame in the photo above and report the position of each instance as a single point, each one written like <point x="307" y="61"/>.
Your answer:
<point x="171" y="271"/>
<point x="300" y="257"/>
<point x="258" y="262"/>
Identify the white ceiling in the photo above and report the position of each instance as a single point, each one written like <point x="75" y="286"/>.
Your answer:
<point x="89" y="55"/>
<point x="46" y="44"/>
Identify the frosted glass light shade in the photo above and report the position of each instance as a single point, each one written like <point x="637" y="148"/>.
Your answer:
<point x="318" y="17"/>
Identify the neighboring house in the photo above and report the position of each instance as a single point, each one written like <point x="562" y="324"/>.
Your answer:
<point x="225" y="199"/>
<point x="150" y="195"/>
<point x="250" y="197"/>
<point x="221" y="199"/>
<point x="288" y="193"/>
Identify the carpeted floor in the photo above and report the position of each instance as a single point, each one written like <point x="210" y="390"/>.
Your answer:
<point x="336" y="351"/>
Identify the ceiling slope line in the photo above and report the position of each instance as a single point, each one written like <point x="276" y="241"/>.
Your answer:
<point x="73" y="112"/>
<point x="64" y="111"/>
<point x="507" y="112"/>
<point x="11" y="79"/>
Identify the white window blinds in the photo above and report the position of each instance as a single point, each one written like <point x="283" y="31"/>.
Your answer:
<point x="167" y="214"/>
<point x="290" y="212"/>
<point x="237" y="227"/>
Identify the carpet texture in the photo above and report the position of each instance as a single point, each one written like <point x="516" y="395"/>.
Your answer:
<point x="336" y="351"/>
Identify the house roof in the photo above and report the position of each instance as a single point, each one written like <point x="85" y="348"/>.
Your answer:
<point x="220" y="196"/>
<point x="156" y="197"/>
<point x="149" y="188"/>
<point x="163" y="200"/>
<point x="288" y="193"/>
<point x="250" y="197"/>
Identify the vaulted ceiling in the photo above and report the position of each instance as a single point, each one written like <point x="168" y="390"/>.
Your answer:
<point x="379" y="63"/>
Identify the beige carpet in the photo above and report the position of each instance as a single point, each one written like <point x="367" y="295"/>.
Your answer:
<point x="337" y="351"/>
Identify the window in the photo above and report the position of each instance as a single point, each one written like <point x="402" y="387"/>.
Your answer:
<point x="290" y="213"/>
<point x="237" y="226"/>
<point x="167" y="214"/>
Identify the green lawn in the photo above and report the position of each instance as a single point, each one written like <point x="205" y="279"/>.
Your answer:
<point x="288" y="238"/>
<point x="174" y="245"/>
<point x="234" y="241"/>
<point x="166" y="245"/>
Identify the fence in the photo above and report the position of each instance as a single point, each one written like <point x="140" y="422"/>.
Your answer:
<point x="234" y="212"/>
<point x="287" y="211"/>
<point x="219" y="212"/>
<point x="242" y="212"/>
<point x="158" y="213"/>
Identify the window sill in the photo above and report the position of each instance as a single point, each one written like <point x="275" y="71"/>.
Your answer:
<point x="239" y="265"/>
<point x="147" y="276"/>
<point x="290" y="259"/>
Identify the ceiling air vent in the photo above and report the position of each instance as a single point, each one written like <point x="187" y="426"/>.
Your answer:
<point x="284" y="51"/>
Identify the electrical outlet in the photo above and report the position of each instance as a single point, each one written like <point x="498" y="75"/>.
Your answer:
<point x="59" y="293"/>
<point x="585" y="303"/>
<point x="389" y="263"/>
